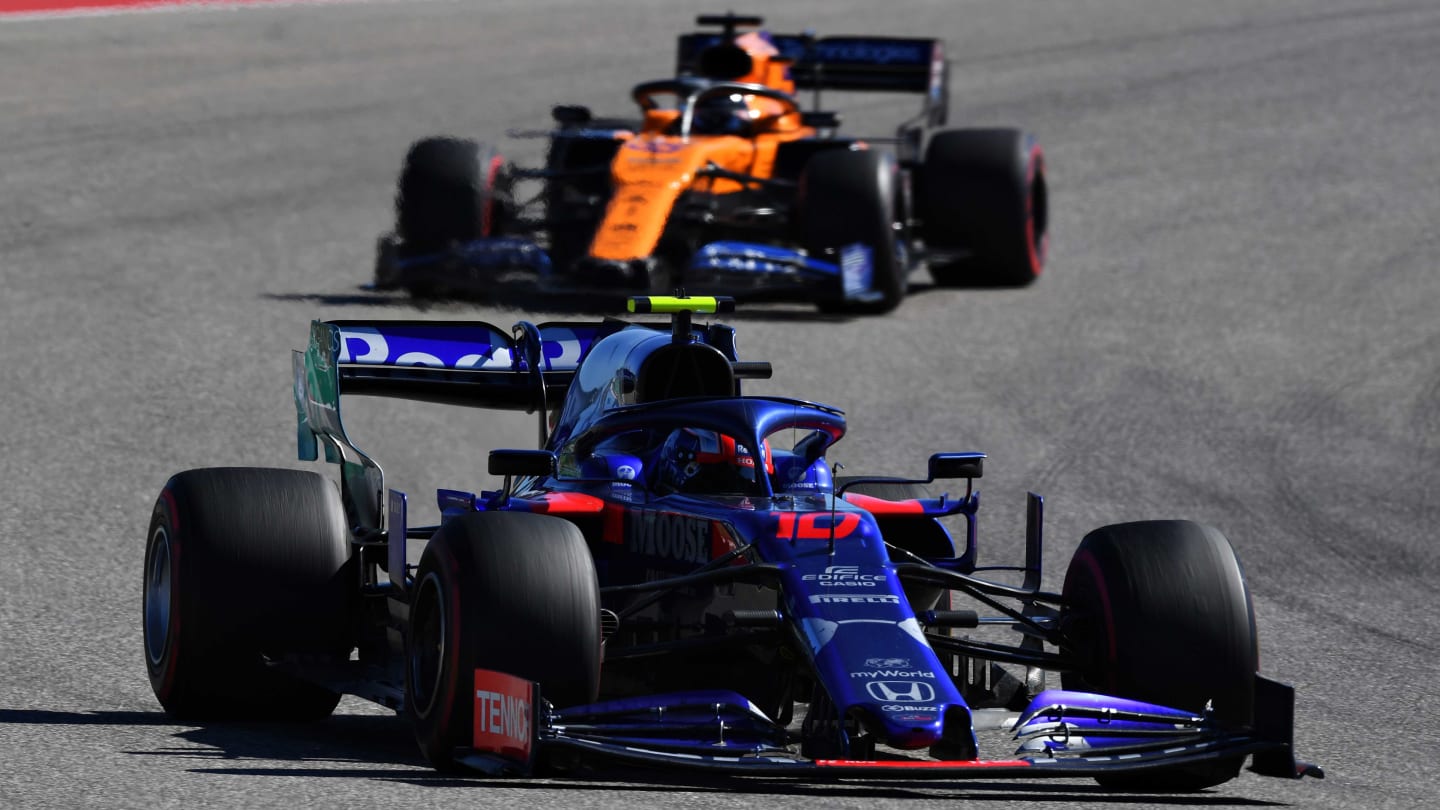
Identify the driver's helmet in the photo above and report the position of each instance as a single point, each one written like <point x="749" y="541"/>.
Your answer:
<point x="696" y="460"/>
<point x="721" y="115"/>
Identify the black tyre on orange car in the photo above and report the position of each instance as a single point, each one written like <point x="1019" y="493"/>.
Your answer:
<point x="852" y="197"/>
<point x="450" y="190"/>
<point x="982" y="196"/>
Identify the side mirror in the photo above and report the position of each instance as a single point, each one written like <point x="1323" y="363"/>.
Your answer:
<point x="956" y="465"/>
<point x="522" y="462"/>
<point x="571" y="115"/>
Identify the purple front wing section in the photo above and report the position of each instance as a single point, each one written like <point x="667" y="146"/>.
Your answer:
<point x="703" y="722"/>
<point x="1057" y="721"/>
<point x="722" y="732"/>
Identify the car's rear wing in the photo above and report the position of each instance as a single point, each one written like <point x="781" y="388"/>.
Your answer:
<point x="468" y="363"/>
<point x="465" y="363"/>
<point x="887" y="64"/>
<point x="456" y="363"/>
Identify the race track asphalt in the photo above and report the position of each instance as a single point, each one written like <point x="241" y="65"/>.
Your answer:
<point x="1238" y="325"/>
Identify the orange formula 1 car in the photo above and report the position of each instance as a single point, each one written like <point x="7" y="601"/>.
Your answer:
<point x="727" y="185"/>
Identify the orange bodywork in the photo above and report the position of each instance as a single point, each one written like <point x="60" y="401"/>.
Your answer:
<point x="652" y="168"/>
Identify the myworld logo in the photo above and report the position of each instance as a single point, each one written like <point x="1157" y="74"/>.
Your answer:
<point x="894" y="673"/>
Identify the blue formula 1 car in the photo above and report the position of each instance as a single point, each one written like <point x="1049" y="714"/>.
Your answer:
<point x="728" y="182"/>
<point x="677" y="578"/>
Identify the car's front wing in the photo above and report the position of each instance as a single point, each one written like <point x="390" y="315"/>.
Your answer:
<point x="1070" y="735"/>
<point x="746" y="270"/>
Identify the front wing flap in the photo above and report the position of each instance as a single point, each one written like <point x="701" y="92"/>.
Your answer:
<point x="741" y="268"/>
<point x="744" y="269"/>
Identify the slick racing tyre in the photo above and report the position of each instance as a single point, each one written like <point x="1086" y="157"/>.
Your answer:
<point x="578" y="189"/>
<point x="1159" y="611"/>
<point x="848" y="197"/>
<point x="242" y="565"/>
<point x="450" y="191"/>
<point x="511" y="592"/>
<point x="982" y="193"/>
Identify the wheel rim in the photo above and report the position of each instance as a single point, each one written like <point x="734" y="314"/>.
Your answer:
<point x="427" y="645"/>
<point x="158" y="581"/>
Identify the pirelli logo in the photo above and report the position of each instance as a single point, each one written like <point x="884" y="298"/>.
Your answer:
<point x="854" y="599"/>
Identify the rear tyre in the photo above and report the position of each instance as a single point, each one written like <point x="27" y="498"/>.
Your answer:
<point x="1159" y="611"/>
<point x="451" y="190"/>
<point x="243" y="565"/>
<point x="511" y="592"/>
<point x="983" y="192"/>
<point x="849" y="197"/>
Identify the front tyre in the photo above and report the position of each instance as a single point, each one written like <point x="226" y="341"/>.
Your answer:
<point x="849" y="197"/>
<point x="1159" y="611"/>
<point x="451" y="190"/>
<point x="511" y="592"/>
<point x="983" y="196"/>
<point x="242" y="565"/>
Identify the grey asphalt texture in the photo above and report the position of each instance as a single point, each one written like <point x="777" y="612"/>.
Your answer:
<point x="1238" y="325"/>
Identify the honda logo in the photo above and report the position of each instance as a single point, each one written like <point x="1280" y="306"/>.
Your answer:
<point x="901" y="691"/>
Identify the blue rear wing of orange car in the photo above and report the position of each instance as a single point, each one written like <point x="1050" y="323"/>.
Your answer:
<point x="886" y="64"/>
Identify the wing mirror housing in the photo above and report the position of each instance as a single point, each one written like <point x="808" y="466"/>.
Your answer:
<point x="511" y="463"/>
<point x="956" y="465"/>
<point x="942" y="466"/>
<point x="522" y="462"/>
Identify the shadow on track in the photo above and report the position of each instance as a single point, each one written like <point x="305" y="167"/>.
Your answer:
<point x="374" y="746"/>
<point x="628" y="780"/>
<point x="584" y="303"/>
